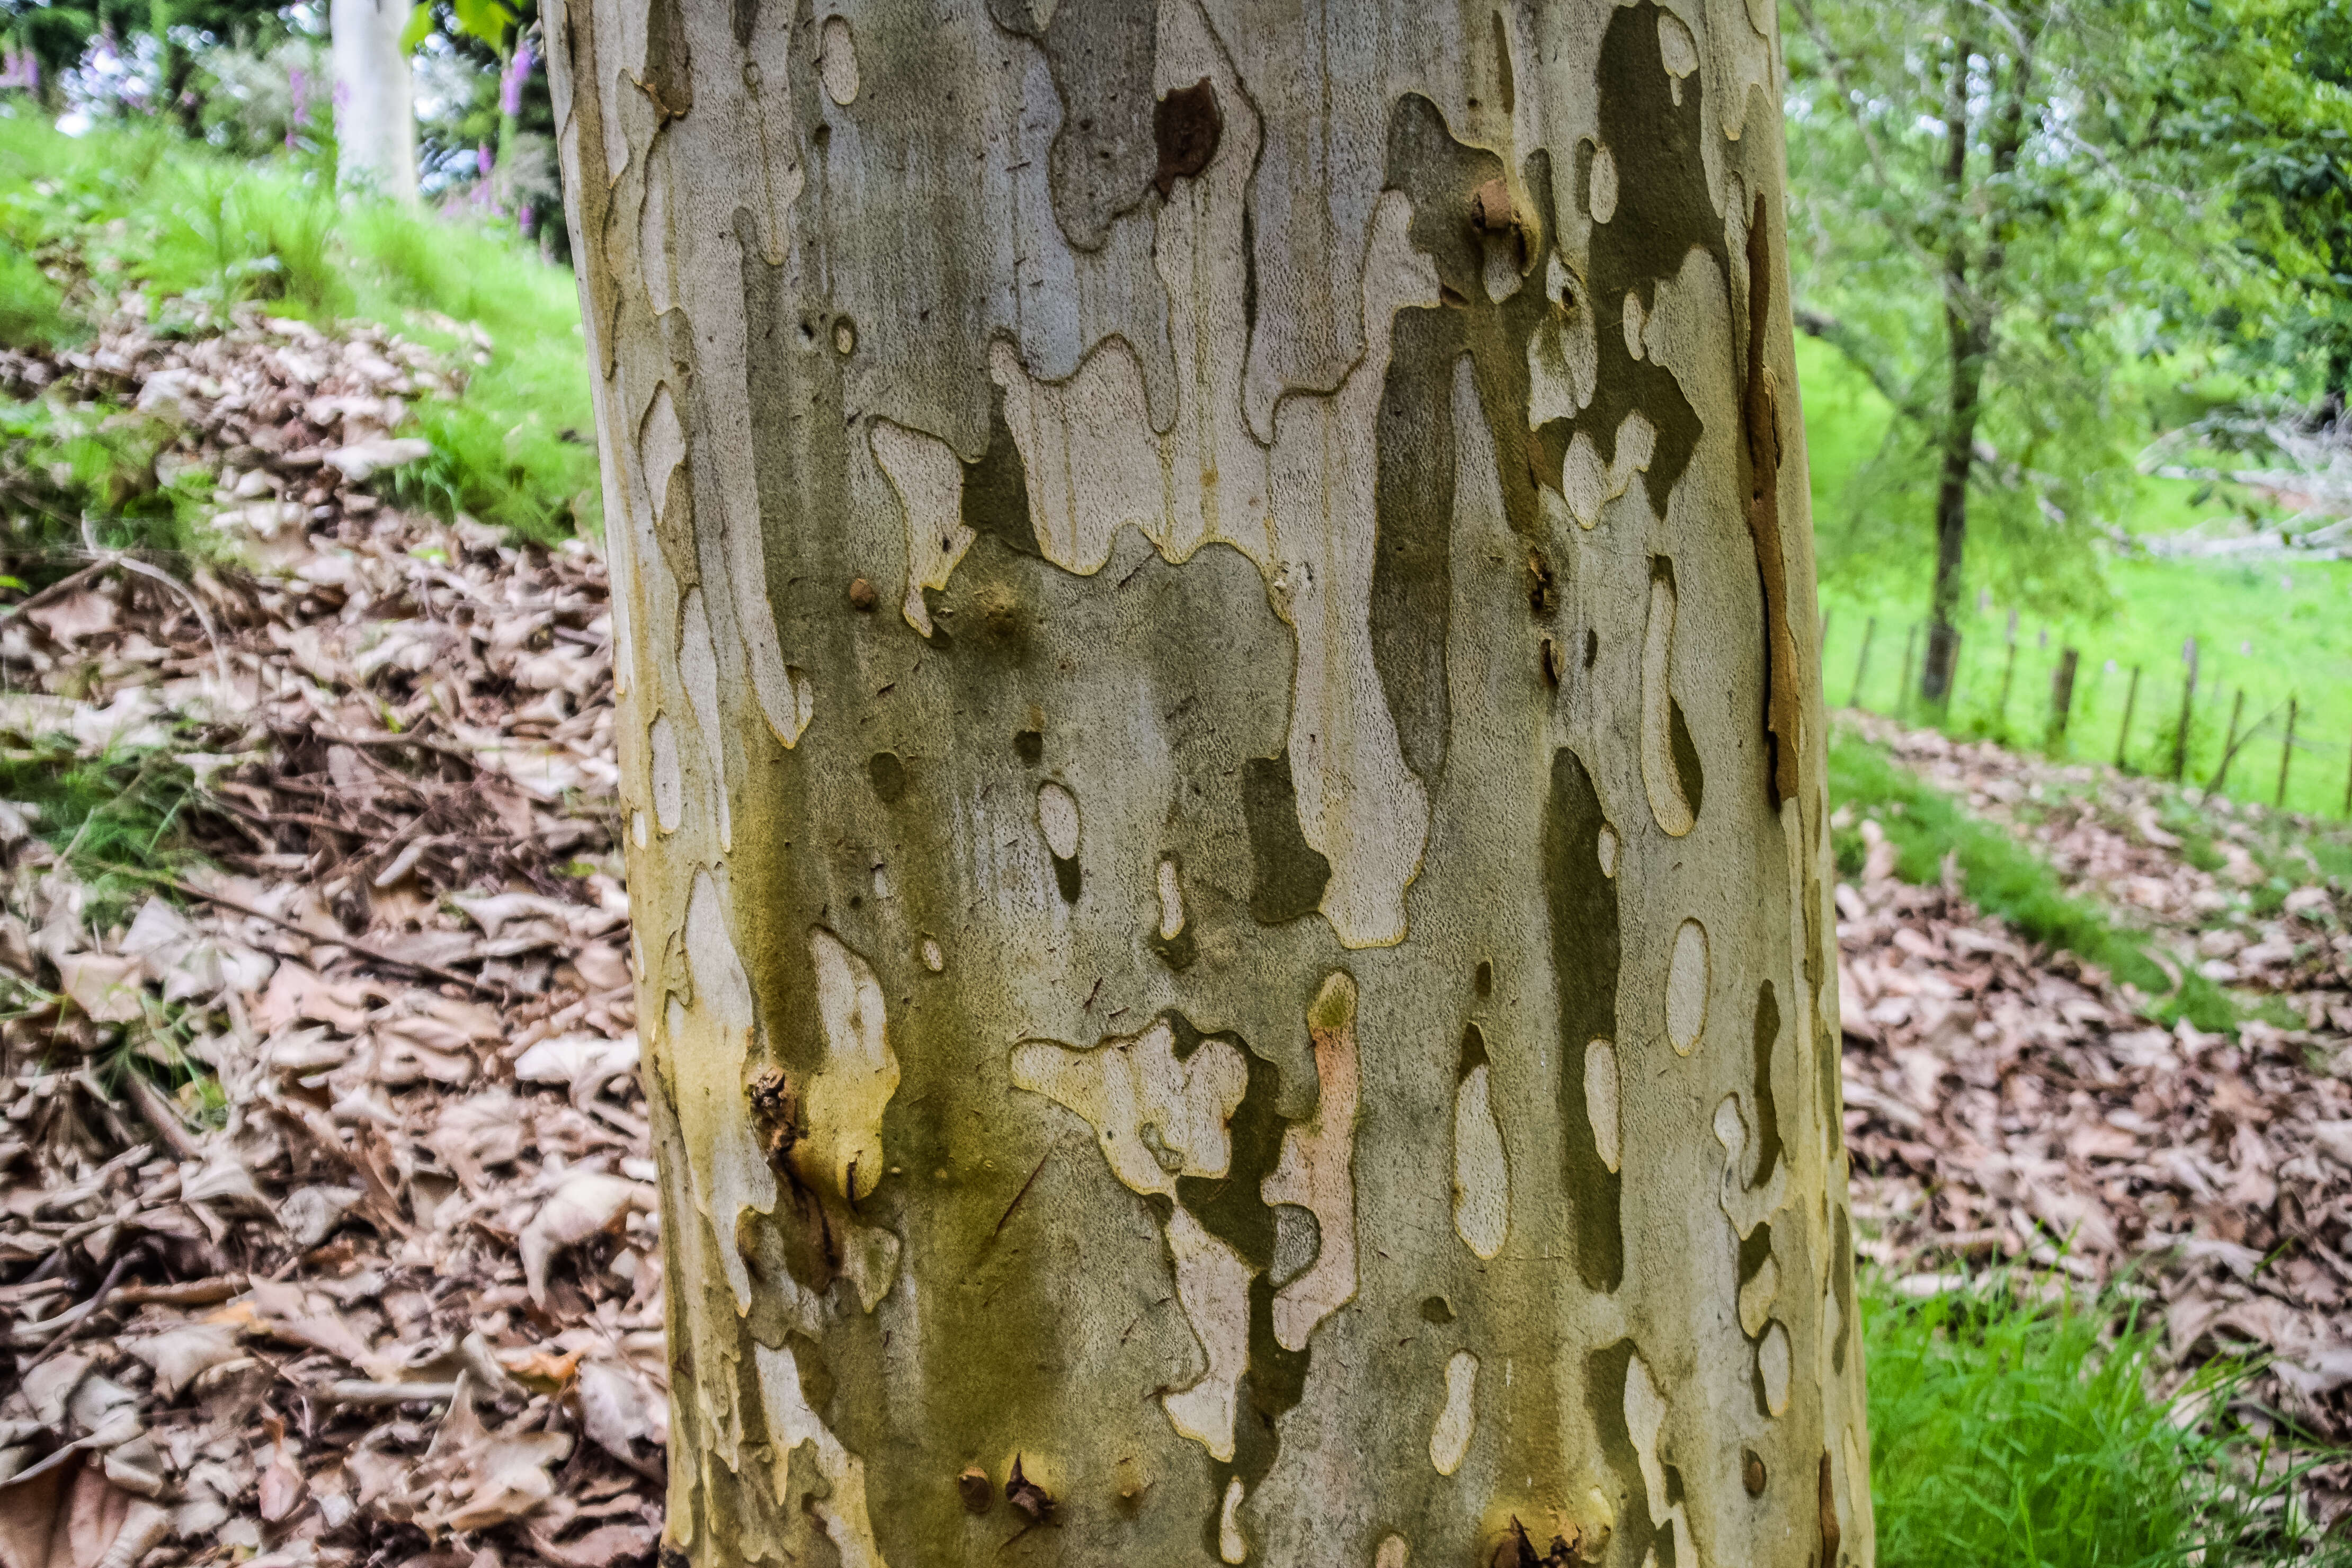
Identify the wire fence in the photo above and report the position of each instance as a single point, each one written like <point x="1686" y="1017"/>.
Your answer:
<point x="2209" y="716"/>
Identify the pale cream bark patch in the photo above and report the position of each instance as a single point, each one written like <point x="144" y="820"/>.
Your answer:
<point x="1646" y="1417"/>
<point x="1601" y="1101"/>
<point x="1589" y="484"/>
<point x="1449" y="1439"/>
<point x="1232" y="1544"/>
<point x="844" y="1099"/>
<point x="1171" y="901"/>
<point x="791" y="1424"/>
<point x="1689" y="978"/>
<point x="929" y="479"/>
<point x="837" y="60"/>
<point x="1057" y="818"/>
<point x="703" y="1049"/>
<point x="1131" y="1083"/>
<point x="1661" y="781"/>
<point x="1213" y="1288"/>
<point x="1482" y="1177"/>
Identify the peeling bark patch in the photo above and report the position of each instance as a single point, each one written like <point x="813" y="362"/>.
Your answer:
<point x="1482" y="1181"/>
<point x="1232" y="1546"/>
<point x="1412" y="501"/>
<point x="1171" y="900"/>
<point x="934" y="959"/>
<point x="1291" y="874"/>
<point x="1449" y="1439"/>
<point x="1390" y="1552"/>
<point x="1772" y="1366"/>
<point x="705" y="1043"/>
<point x="1588" y="484"/>
<point x="1761" y="412"/>
<point x="669" y="775"/>
<point x="1687" y="988"/>
<point x="1186" y="127"/>
<point x="1667" y="776"/>
<point x="669" y="79"/>
<point x="1831" y="1534"/>
<point x="836" y="61"/>
<point x="1601" y="1101"/>
<point x="1601" y="188"/>
<point x="1057" y="818"/>
<point x="996" y="488"/>
<point x="1102" y="56"/>
<point x="923" y="469"/>
<point x="842" y="1150"/>
<point x="792" y="1423"/>
<point x="1582" y="904"/>
<point x="1316" y="1169"/>
<point x="1652" y="127"/>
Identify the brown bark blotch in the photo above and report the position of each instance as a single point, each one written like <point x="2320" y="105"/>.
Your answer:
<point x="1830" y="1533"/>
<point x="1027" y="1496"/>
<point x="973" y="1487"/>
<point x="1188" y="125"/>
<point x="776" y="1112"/>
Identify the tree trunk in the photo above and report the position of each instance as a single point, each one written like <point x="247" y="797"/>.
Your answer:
<point x="375" y="115"/>
<point x="1968" y="333"/>
<point x="1226" y="801"/>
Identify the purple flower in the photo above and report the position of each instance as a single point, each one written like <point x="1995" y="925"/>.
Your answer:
<point x="482" y="160"/>
<point x="298" y="85"/>
<point x="510" y="81"/>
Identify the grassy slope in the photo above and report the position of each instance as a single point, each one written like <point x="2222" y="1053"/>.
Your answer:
<point x="2003" y="877"/>
<point x="142" y="205"/>
<point x="2025" y="1435"/>
<point x="2272" y="630"/>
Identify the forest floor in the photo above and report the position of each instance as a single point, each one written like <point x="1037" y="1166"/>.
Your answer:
<point x="328" y="1230"/>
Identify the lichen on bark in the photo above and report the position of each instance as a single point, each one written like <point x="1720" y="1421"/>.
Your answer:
<point x="1227" y="806"/>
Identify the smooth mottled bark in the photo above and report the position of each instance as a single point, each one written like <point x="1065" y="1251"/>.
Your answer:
<point x="375" y="102"/>
<point x="1224" y="774"/>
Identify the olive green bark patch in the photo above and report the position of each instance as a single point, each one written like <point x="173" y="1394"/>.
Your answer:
<point x="1688" y="772"/>
<point x="1291" y="874"/>
<point x="1101" y="55"/>
<point x="1413" y="576"/>
<point x="888" y="776"/>
<point x="1664" y="212"/>
<point x="1582" y="903"/>
<point x="1767" y="1109"/>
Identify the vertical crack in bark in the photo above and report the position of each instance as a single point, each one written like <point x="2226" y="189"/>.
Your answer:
<point x="1761" y="412"/>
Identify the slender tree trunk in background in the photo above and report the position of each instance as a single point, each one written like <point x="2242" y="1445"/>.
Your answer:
<point x="1224" y="772"/>
<point x="1968" y="332"/>
<point x="375" y="114"/>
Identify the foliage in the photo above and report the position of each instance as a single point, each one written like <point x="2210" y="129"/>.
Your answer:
<point x="2002" y="877"/>
<point x="2107" y="224"/>
<point x="136" y="205"/>
<point x="2008" y="1427"/>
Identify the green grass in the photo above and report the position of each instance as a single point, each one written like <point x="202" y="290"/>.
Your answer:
<point x="2010" y="1431"/>
<point x="2001" y="876"/>
<point x="138" y="205"/>
<point x="122" y="809"/>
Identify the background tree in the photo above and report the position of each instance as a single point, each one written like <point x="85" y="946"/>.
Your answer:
<point x="1230" y="859"/>
<point x="2028" y="224"/>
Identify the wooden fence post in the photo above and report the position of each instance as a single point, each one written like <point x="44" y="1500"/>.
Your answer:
<point x="1902" y="691"/>
<point x="2123" y="731"/>
<point x="2007" y="674"/>
<point x="2061" y="695"/>
<point x="1862" y="663"/>
<point x="2229" y="744"/>
<point x="2287" y="752"/>
<point x="2187" y="705"/>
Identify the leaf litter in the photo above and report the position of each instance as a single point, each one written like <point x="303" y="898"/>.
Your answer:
<point x="327" y="1221"/>
<point x="2005" y="1103"/>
